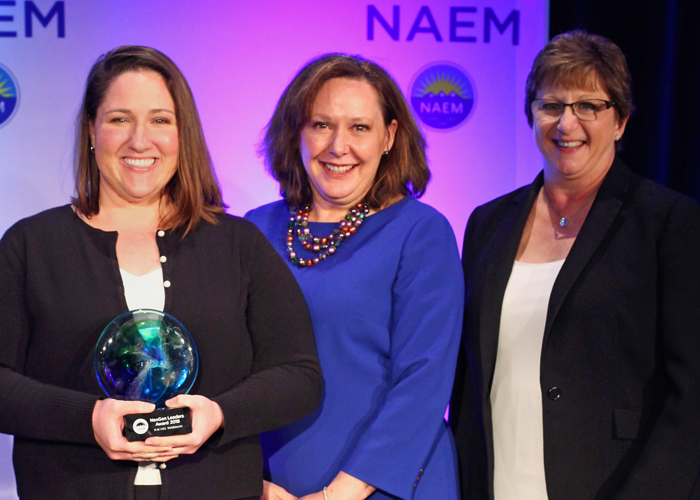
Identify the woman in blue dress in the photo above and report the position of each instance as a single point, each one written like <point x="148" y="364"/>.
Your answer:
<point x="381" y="274"/>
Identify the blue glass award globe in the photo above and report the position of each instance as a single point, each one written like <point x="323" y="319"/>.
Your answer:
<point x="145" y="355"/>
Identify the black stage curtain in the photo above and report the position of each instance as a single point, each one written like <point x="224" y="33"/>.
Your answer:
<point x="661" y="41"/>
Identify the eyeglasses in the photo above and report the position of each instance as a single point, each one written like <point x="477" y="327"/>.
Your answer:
<point x="586" y="110"/>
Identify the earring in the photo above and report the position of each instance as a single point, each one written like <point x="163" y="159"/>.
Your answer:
<point x="617" y="137"/>
<point x="92" y="148"/>
<point x="386" y="153"/>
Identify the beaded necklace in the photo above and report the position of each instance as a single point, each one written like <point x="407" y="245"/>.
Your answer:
<point x="325" y="245"/>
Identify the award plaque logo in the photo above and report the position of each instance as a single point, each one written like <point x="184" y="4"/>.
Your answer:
<point x="140" y="426"/>
<point x="442" y="95"/>
<point x="148" y="355"/>
<point x="9" y="96"/>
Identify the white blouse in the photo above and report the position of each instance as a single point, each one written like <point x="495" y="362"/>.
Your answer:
<point x="516" y="394"/>
<point x="145" y="292"/>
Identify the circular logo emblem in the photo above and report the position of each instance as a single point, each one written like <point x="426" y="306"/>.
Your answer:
<point x="140" y="426"/>
<point x="9" y="95"/>
<point x="442" y="95"/>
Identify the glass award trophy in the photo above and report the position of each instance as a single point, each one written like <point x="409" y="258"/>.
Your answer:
<point x="147" y="355"/>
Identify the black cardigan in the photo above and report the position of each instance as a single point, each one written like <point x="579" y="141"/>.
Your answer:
<point x="60" y="286"/>
<point x="620" y="365"/>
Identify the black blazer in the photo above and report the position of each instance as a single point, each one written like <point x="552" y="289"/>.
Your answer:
<point x="620" y="366"/>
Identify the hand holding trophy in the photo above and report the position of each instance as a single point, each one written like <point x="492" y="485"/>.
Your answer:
<point x="147" y="355"/>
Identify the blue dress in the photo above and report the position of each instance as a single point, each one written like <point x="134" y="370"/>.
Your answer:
<point x="387" y="314"/>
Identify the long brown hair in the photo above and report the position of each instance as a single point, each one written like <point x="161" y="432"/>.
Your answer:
<point x="194" y="190"/>
<point x="403" y="171"/>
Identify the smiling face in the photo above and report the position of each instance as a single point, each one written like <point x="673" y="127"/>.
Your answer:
<point x="576" y="149"/>
<point x="343" y="142"/>
<point x="135" y="138"/>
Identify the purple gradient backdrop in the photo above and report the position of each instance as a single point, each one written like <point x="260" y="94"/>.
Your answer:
<point x="238" y="57"/>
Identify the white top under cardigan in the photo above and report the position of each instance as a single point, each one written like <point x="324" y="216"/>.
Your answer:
<point x="145" y="292"/>
<point x="516" y="394"/>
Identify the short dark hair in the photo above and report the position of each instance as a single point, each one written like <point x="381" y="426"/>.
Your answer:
<point x="581" y="59"/>
<point x="403" y="171"/>
<point x="194" y="190"/>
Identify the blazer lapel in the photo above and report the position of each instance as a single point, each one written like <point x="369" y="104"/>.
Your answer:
<point x="504" y="241"/>
<point x="605" y="208"/>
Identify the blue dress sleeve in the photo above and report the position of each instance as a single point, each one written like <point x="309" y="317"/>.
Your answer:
<point x="426" y="325"/>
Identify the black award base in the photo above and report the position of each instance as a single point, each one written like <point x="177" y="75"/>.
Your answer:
<point x="162" y="422"/>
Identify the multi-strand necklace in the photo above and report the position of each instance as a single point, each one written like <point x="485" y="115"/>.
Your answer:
<point x="321" y="245"/>
<point x="564" y="221"/>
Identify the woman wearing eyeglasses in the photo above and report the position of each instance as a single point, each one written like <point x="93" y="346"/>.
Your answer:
<point x="580" y="369"/>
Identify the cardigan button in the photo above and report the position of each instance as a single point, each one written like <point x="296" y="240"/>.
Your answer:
<point x="162" y="466"/>
<point x="163" y="258"/>
<point x="161" y="233"/>
<point x="166" y="284"/>
<point x="554" y="393"/>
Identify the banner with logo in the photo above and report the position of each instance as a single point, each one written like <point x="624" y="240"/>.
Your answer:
<point x="462" y="65"/>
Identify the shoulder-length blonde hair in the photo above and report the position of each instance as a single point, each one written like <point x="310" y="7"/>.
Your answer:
<point x="194" y="190"/>
<point x="403" y="171"/>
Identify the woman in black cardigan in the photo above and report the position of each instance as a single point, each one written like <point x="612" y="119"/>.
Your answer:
<point x="147" y="226"/>
<point x="580" y="369"/>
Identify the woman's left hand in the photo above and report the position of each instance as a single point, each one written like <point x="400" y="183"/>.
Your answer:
<point x="207" y="418"/>
<point x="344" y="487"/>
<point x="314" y="496"/>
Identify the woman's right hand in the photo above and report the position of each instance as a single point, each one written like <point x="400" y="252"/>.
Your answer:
<point x="273" y="492"/>
<point x="108" y="423"/>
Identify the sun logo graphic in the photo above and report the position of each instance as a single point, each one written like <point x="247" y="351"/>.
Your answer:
<point x="9" y="95"/>
<point x="442" y="95"/>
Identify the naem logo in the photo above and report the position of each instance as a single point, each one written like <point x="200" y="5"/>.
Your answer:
<point x="442" y="95"/>
<point x="9" y="95"/>
<point x="140" y="426"/>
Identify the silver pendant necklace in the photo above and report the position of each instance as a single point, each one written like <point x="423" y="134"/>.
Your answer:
<point x="564" y="221"/>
